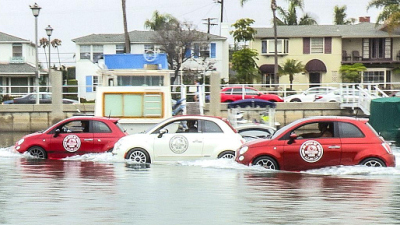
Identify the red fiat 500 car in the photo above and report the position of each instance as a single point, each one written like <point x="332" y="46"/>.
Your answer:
<point x="317" y="142"/>
<point x="77" y="135"/>
<point x="231" y="94"/>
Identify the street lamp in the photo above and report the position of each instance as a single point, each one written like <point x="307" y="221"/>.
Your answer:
<point x="35" y="11"/>
<point x="49" y="30"/>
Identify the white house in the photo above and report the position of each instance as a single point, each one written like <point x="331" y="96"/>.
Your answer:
<point x="17" y="65"/>
<point x="91" y="48"/>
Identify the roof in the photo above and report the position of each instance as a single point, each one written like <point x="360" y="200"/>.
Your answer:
<point x="361" y="30"/>
<point x="135" y="37"/>
<point x="9" y="38"/>
<point x="17" y="68"/>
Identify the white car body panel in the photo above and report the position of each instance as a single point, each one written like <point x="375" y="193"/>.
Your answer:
<point x="309" y="94"/>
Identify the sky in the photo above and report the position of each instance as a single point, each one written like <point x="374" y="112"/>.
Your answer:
<point x="76" y="18"/>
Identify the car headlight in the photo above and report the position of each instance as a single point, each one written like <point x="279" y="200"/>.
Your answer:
<point x="243" y="150"/>
<point x="20" y="141"/>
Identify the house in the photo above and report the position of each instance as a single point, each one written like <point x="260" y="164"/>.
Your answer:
<point x="17" y="65"/>
<point x="91" y="48"/>
<point x="324" y="48"/>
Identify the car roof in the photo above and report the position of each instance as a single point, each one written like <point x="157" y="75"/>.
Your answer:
<point x="81" y="117"/>
<point x="336" y="118"/>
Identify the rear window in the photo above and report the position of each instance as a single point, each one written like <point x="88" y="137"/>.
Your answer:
<point x="348" y="130"/>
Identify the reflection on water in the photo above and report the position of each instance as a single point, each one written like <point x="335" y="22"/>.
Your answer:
<point x="99" y="189"/>
<point x="9" y="138"/>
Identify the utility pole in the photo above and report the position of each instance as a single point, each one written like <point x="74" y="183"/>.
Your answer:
<point x="222" y="9"/>
<point x="209" y="23"/>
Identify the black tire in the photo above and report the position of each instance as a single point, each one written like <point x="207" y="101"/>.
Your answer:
<point x="138" y="155"/>
<point x="295" y="100"/>
<point x="373" y="162"/>
<point x="226" y="155"/>
<point x="37" y="152"/>
<point x="266" y="162"/>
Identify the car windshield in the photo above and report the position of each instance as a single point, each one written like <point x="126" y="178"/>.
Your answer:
<point x="285" y="128"/>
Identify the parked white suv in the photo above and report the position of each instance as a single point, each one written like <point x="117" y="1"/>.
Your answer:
<point x="309" y="94"/>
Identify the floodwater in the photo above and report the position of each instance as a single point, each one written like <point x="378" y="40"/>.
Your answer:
<point x="97" y="189"/>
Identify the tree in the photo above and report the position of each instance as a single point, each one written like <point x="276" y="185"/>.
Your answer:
<point x="289" y="16"/>
<point x="291" y="67"/>
<point x="43" y="42"/>
<point x="55" y="43"/>
<point x="340" y="16"/>
<point x="176" y="39"/>
<point x="390" y="14"/>
<point x="243" y="31"/>
<point x="243" y="62"/>
<point x="158" y="21"/>
<point x="352" y="73"/>
<point x="127" y="48"/>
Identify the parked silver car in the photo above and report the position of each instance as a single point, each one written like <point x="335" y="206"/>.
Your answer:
<point x="309" y="94"/>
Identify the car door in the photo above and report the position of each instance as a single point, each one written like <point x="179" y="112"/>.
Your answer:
<point x="181" y="142"/>
<point x="250" y="93"/>
<point x="103" y="137"/>
<point x="213" y="135"/>
<point x="311" y="149"/>
<point x="71" y="140"/>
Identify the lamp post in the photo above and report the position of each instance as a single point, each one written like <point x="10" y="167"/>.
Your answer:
<point x="35" y="11"/>
<point x="49" y="31"/>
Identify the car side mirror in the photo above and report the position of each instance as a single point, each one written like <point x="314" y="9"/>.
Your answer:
<point x="56" y="133"/>
<point x="162" y="132"/>
<point x="292" y="137"/>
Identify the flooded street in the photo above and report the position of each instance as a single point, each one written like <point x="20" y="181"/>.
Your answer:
<point x="97" y="189"/>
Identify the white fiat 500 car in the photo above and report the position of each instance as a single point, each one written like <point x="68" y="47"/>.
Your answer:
<point x="178" y="138"/>
<point x="309" y="94"/>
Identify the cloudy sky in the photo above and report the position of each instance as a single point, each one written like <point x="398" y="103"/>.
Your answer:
<point x="76" y="18"/>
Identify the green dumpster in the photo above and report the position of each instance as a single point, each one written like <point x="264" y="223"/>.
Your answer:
<point x="385" y="117"/>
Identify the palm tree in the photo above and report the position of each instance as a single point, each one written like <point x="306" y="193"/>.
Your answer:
<point x="291" y="67"/>
<point x="43" y="42"/>
<point x="158" y="21"/>
<point x="55" y="43"/>
<point x="126" y="34"/>
<point x="390" y="14"/>
<point x="340" y="16"/>
<point x="289" y="16"/>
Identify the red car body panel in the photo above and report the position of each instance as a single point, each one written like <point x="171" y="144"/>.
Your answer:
<point x="231" y="94"/>
<point x="103" y="133"/>
<point x="336" y="150"/>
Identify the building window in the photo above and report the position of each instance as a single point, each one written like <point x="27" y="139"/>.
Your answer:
<point x="147" y="105"/>
<point x="120" y="49"/>
<point x="140" y="80"/>
<point x="17" y="50"/>
<point x="317" y="45"/>
<point x="84" y="51"/>
<point x="374" y="76"/>
<point x="268" y="46"/>
<point x="92" y="82"/>
<point x="205" y="51"/>
<point x="97" y="52"/>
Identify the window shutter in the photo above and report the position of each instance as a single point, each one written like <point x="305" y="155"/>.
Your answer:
<point x="213" y="50"/>
<point x="188" y="53"/>
<point x="306" y="45"/>
<point x="328" y="45"/>
<point x="89" y="84"/>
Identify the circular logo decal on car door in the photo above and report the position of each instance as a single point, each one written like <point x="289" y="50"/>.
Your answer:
<point x="311" y="151"/>
<point x="178" y="144"/>
<point x="72" y="143"/>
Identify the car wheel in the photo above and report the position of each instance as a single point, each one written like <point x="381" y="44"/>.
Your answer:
<point x="138" y="155"/>
<point x="373" y="162"/>
<point x="295" y="100"/>
<point x="266" y="162"/>
<point x="37" y="152"/>
<point x="226" y="155"/>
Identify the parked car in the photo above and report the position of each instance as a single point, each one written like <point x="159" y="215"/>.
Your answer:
<point x="77" y="135"/>
<point x="317" y="142"/>
<point x="186" y="137"/>
<point x="44" y="98"/>
<point x="255" y="131"/>
<point x="309" y="94"/>
<point x="231" y="94"/>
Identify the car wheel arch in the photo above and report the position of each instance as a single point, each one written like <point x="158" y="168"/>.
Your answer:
<point x="372" y="158"/>
<point x="37" y="148"/>
<point x="226" y="152"/>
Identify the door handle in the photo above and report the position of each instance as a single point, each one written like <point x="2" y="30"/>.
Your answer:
<point x="89" y="139"/>
<point x="334" y="147"/>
